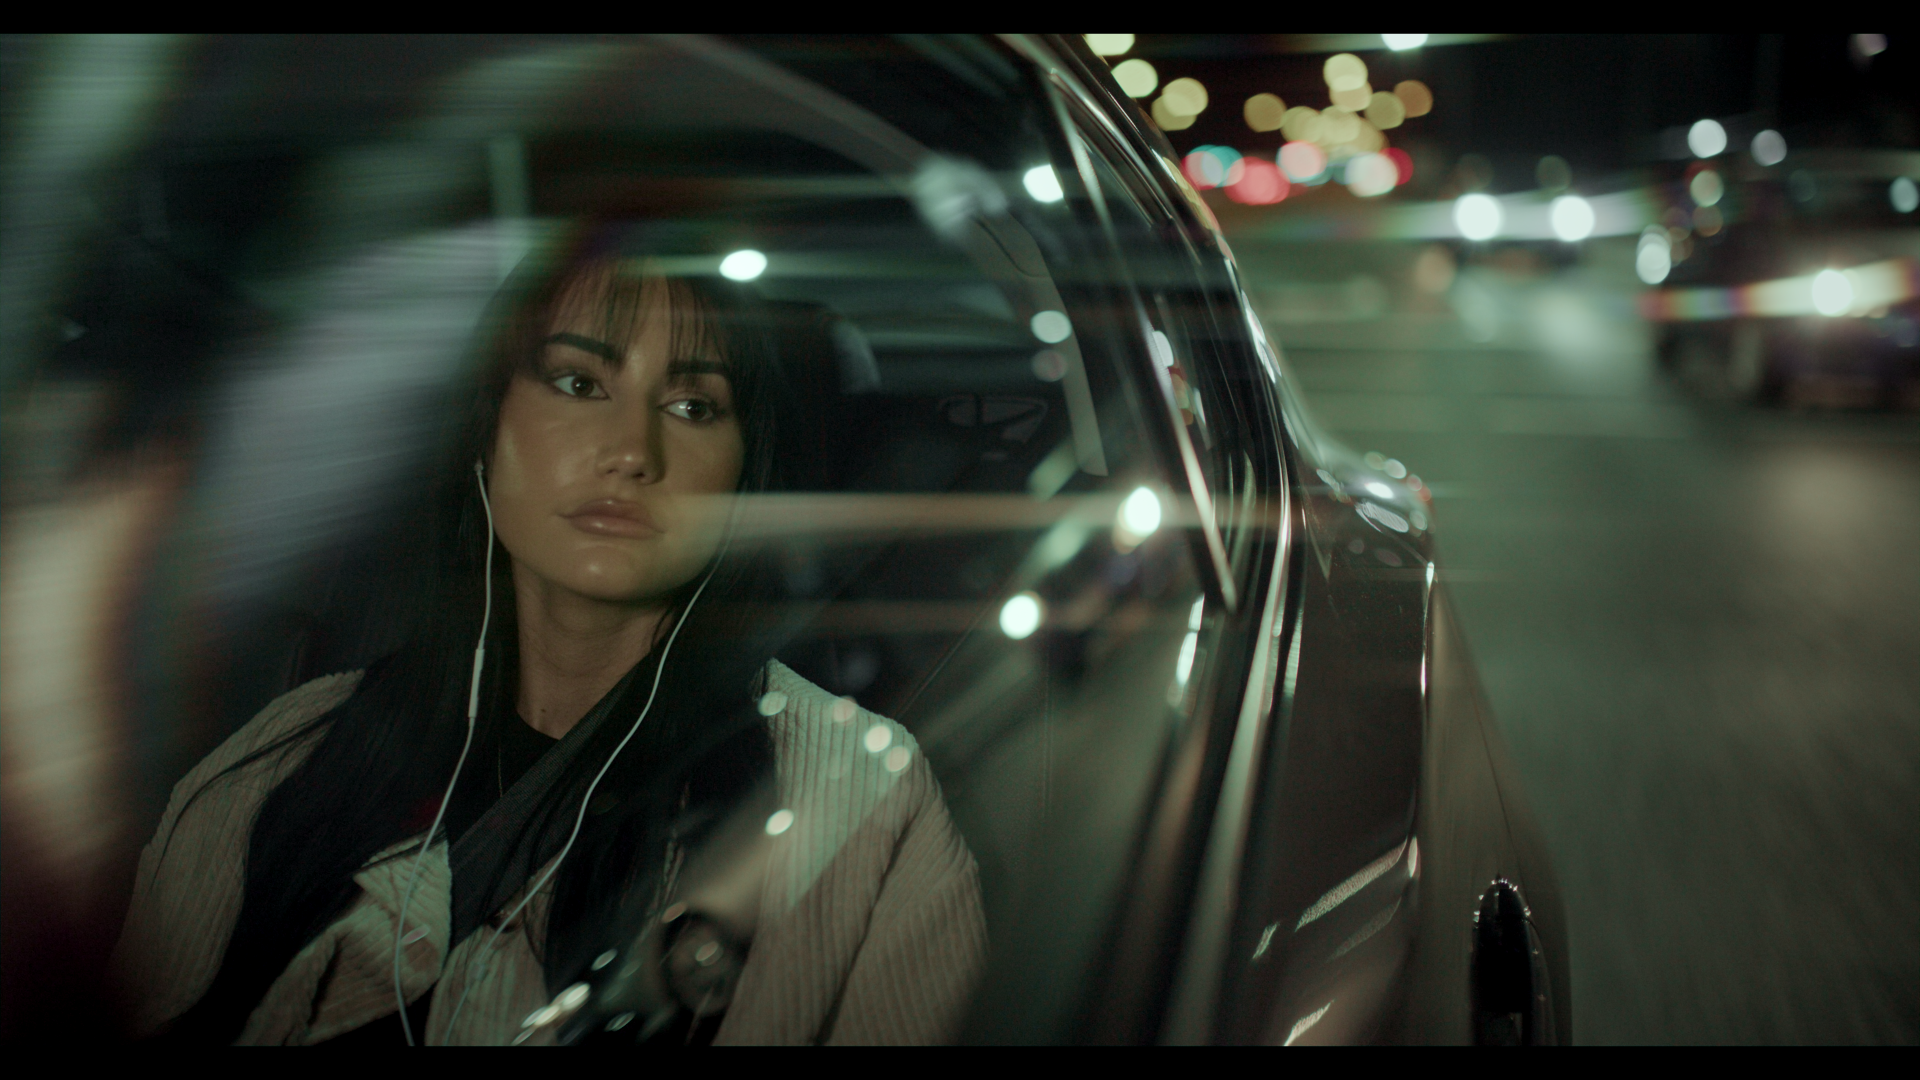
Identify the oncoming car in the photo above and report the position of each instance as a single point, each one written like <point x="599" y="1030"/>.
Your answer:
<point x="1180" y="662"/>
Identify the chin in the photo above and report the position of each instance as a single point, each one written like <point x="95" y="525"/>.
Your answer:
<point x="625" y="583"/>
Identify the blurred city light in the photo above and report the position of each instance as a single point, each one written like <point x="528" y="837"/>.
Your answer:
<point x="1903" y="194"/>
<point x="1385" y="111"/>
<point x="1572" y="218"/>
<point x="1140" y="514"/>
<point x="1477" y="216"/>
<point x="743" y="265"/>
<point x="1265" y="112"/>
<point x="1136" y="77"/>
<point x="1402" y="163"/>
<point x="1415" y="96"/>
<point x="1832" y="293"/>
<point x="1553" y="173"/>
<point x="1371" y="174"/>
<point x="1706" y="187"/>
<point x="1042" y="183"/>
<point x="1706" y="138"/>
<point x="1654" y="261"/>
<point x="1302" y="161"/>
<point x="1260" y="183"/>
<point x="1403" y="42"/>
<point x="1344" y="71"/>
<point x="1052" y="327"/>
<point x="1856" y="291"/>
<point x="1769" y="147"/>
<point x="1167" y="118"/>
<point x="1109" y="44"/>
<point x="1019" y="618"/>
<point x="1185" y="97"/>
<point x="1209" y="167"/>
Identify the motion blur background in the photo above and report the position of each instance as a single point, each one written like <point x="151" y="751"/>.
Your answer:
<point x="1637" y="313"/>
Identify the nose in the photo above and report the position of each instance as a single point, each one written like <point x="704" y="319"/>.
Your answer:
<point x="631" y="445"/>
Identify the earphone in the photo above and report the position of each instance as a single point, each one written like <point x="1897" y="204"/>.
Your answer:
<point x="473" y="706"/>
<point x="473" y="710"/>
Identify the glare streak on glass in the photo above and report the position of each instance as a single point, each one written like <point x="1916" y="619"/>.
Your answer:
<point x="1344" y="891"/>
<point x="1373" y="926"/>
<point x="1306" y="1022"/>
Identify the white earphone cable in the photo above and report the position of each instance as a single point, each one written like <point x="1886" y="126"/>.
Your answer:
<point x="478" y="968"/>
<point x="473" y="710"/>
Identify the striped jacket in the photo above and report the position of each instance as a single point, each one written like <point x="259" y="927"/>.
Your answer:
<point x="870" y="927"/>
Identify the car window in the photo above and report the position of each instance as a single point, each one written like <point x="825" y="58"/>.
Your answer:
<point x="1011" y="489"/>
<point x="1181" y="327"/>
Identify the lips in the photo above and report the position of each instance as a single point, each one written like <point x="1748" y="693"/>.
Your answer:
<point x="614" y="517"/>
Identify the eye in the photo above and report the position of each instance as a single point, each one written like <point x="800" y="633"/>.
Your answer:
<point x="574" y="384"/>
<point x="698" y="410"/>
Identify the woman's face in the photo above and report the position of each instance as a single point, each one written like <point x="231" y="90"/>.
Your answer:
<point x="615" y="461"/>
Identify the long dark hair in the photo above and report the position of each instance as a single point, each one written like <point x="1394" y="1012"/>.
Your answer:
<point x="389" y="750"/>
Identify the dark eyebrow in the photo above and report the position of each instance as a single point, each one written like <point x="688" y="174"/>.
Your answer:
<point x="588" y="345"/>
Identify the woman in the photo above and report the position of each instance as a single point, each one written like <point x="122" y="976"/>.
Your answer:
<point x="636" y="777"/>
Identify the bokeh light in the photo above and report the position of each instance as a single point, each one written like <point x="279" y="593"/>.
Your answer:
<point x="1261" y="183"/>
<point x="1553" y="173"/>
<point x="1706" y="187"/>
<point x="1185" y="97"/>
<point x="1109" y="44"/>
<point x="1302" y="161"/>
<point x="1903" y="194"/>
<point x="1301" y="124"/>
<point x="1654" y="259"/>
<point x="1706" y="138"/>
<point x="1140" y="513"/>
<point x="1136" y="77"/>
<point x="1572" y="218"/>
<point x="1043" y="184"/>
<point x="1402" y="162"/>
<point x="1477" y="216"/>
<point x="1353" y="99"/>
<point x="1168" y="119"/>
<point x="1338" y="126"/>
<point x="1265" y="112"/>
<point x="1415" y="96"/>
<point x="1344" y="71"/>
<point x="1052" y="327"/>
<point x="1769" y="147"/>
<point x="1019" y="617"/>
<point x="1385" y="111"/>
<point x="743" y="265"/>
<point x="1210" y="167"/>
<point x="1369" y="175"/>
<point x="1403" y="42"/>
<point x="1832" y="293"/>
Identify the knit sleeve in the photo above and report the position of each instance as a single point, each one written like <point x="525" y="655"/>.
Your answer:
<point x="926" y="941"/>
<point x="192" y="874"/>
